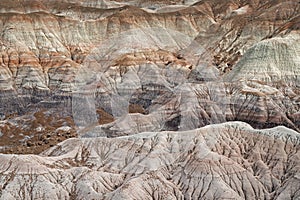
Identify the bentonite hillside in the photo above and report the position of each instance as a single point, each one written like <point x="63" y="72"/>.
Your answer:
<point x="192" y="99"/>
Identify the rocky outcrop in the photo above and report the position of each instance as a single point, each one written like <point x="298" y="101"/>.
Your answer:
<point x="270" y="61"/>
<point x="180" y="92"/>
<point x="148" y="86"/>
<point x="229" y="160"/>
<point x="184" y="65"/>
<point x="43" y="41"/>
<point x="268" y="79"/>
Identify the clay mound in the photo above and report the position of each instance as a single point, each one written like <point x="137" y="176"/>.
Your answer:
<point x="44" y="44"/>
<point x="229" y="160"/>
<point x="272" y="60"/>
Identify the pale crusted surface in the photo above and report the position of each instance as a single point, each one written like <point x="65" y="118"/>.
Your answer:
<point x="43" y="43"/>
<point x="272" y="60"/>
<point x="134" y="71"/>
<point x="172" y="60"/>
<point x="229" y="160"/>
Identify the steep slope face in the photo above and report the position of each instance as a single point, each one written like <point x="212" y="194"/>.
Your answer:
<point x="229" y="160"/>
<point x="135" y="80"/>
<point x="43" y="41"/>
<point x="240" y="24"/>
<point x="43" y="45"/>
<point x="182" y="92"/>
<point x="268" y="78"/>
<point x="52" y="44"/>
<point x="270" y="61"/>
<point x="162" y="60"/>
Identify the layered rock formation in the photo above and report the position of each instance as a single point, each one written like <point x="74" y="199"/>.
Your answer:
<point x="136" y="81"/>
<point x="182" y="92"/>
<point x="46" y="46"/>
<point x="224" y="161"/>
